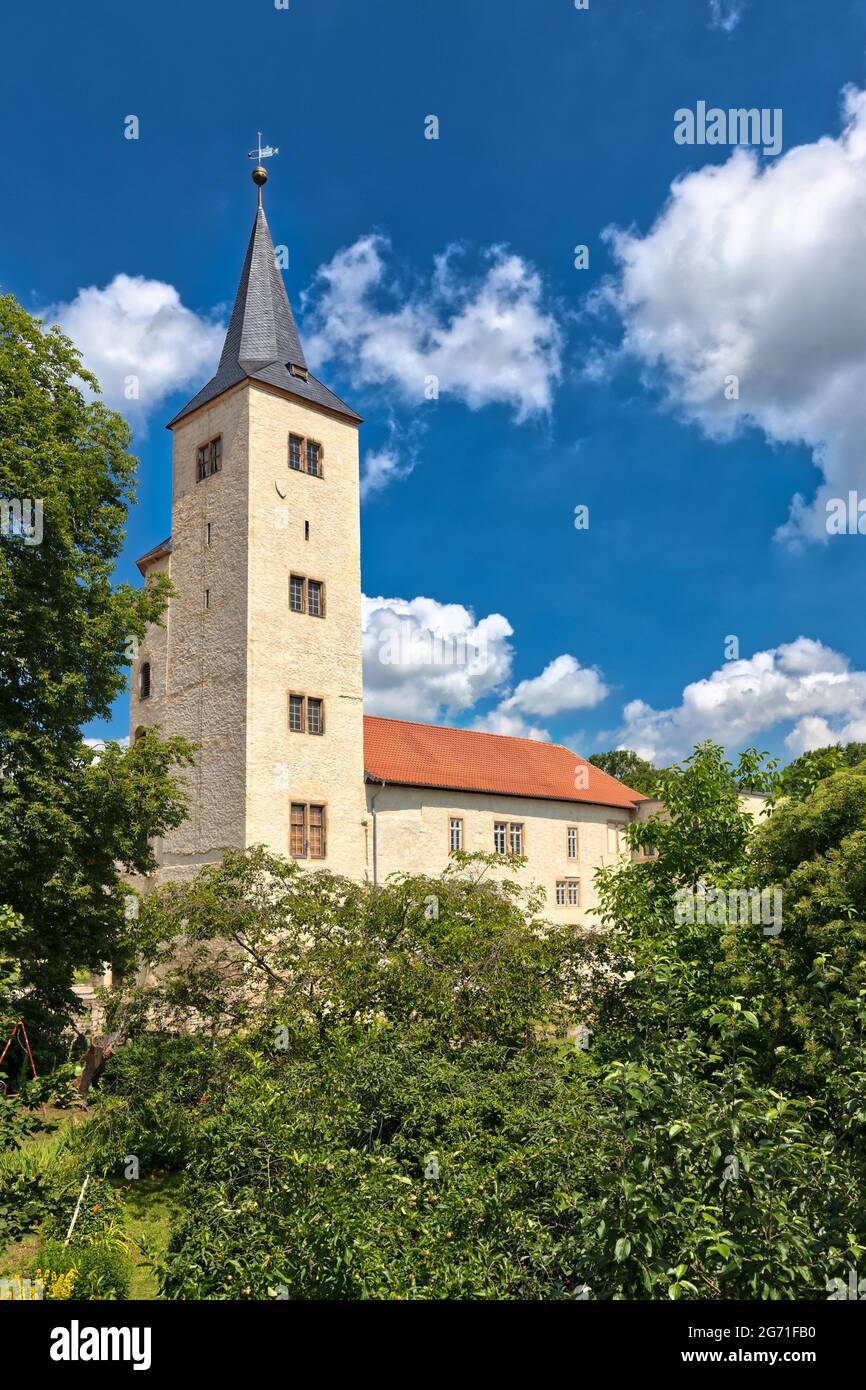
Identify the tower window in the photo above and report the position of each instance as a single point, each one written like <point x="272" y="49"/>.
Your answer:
<point x="305" y="455"/>
<point x="316" y="598"/>
<point x="306" y="530"/>
<point x="300" y="372"/>
<point x="296" y="714"/>
<point x="307" y="831"/>
<point x="207" y="598"/>
<point x="571" y="841"/>
<point x="315" y="716"/>
<point x="208" y="533"/>
<point x="296" y="593"/>
<point x="209" y="458"/>
<point x="455" y="833"/>
<point x="144" y="681"/>
<point x="314" y="458"/>
<point x="317" y="832"/>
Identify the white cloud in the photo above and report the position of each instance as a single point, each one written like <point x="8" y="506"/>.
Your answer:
<point x="500" y="722"/>
<point x="726" y="14"/>
<point x="422" y="657"/>
<point x="427" y="660"/>
<point x="138" y="328"/>
<point x="487" y="338"/>
<point x="380" y="468"/>
<point x="563" y="685"/>
<point x="760" y="273"/>
<point x="802" y="684"/>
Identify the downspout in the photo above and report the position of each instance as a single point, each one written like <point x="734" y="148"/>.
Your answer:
<point x="375" y="833"/>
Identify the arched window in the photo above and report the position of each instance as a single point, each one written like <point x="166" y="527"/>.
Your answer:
<point x="144" y="681"/>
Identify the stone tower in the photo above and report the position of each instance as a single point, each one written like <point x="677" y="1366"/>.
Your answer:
<point x="259" y="660"/>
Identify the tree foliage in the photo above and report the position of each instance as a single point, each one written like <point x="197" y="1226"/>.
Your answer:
<point x="68" y="819"/>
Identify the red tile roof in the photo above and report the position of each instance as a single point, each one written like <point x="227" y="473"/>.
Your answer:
<point x="426" y="755"/>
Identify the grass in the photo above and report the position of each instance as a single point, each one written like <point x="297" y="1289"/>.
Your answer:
<point x="151" y="1208"/>
<point x="151" y="1205"/>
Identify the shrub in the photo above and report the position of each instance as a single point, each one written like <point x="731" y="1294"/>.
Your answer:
<point x="101" y="1271"/>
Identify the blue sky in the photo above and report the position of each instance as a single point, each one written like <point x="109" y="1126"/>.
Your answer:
<point x="604" y="387"/>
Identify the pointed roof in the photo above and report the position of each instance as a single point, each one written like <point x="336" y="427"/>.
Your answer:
<point x="262" y="342"/>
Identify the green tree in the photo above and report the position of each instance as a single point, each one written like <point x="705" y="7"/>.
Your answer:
<point x="801" y="776"/>
<point x="626" y="766"/>
<point x="69" y="820"/>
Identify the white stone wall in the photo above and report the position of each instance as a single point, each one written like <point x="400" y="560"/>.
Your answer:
<point x="412" y="830"/>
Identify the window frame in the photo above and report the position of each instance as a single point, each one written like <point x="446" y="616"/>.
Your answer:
<point x="209" y="458"/>
<point x="455" y="825"/>
<point x="301" y="699"/>
<point x="572" y="834"/>
<point x="618" y="826"/>
<point x="320" y="701"/>
<point x="145" y="682"/>
<point x="567" y="892"/>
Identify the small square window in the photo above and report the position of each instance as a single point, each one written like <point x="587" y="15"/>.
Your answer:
<point x="201" y="463"/>
<point x="296" y="593"/>
<point x="296" y="444"/>
<point x="216" y="455"/>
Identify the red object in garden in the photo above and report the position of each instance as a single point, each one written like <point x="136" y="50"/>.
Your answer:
<point x="26" y="1044"/>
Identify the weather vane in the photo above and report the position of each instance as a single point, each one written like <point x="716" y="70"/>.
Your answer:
<point x="260" y="173"/>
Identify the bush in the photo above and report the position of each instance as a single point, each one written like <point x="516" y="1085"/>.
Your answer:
<point x="101" y="1271"/>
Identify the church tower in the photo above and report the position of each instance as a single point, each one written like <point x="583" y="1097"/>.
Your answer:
<point x="259" y="659"/>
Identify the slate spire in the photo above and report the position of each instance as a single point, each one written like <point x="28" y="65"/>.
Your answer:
<point x="262" y="327"/>
<point x="262" y="342"/>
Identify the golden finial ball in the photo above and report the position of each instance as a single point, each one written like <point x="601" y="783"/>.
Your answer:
<point x="260" y="175"/>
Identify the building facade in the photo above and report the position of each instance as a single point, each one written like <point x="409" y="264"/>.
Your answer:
<point x="258" y="661"/>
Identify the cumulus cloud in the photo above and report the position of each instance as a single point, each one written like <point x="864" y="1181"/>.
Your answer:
<point x="759" y="273"/>
<point x="422" y="657"/>
<point x="140" y="341"/>
<point x="563" y="685"/>
<point x="486" y="338"/>
<point x="803" y="684"/>
<point x="726" y="14"/>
